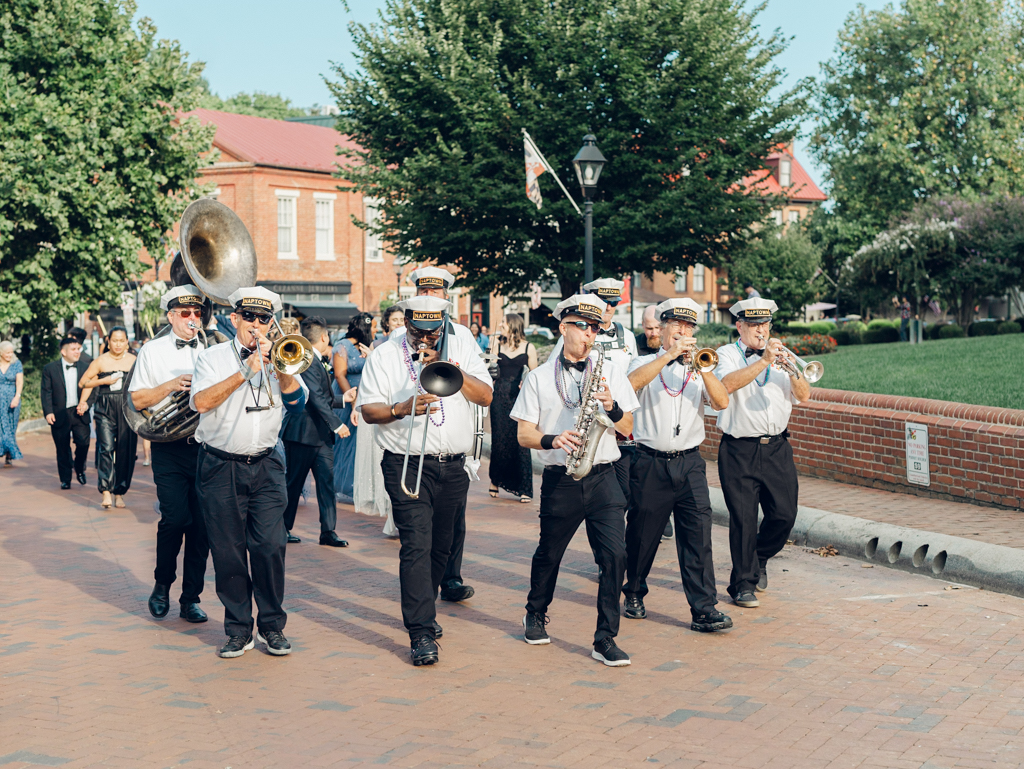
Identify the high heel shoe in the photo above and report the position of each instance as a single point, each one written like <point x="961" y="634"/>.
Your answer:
<point x="493" y="491"/>
<point x="107" y="501"/>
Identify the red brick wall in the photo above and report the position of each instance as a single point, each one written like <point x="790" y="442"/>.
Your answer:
<point x="976" y="453"/>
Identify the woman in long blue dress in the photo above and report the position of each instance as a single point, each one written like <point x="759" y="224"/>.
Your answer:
<point x="348" y="358"/>
<point x="12" y="379"/>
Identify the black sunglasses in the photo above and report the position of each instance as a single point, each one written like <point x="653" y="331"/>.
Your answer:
<point x="582" y="325"/>
<point x="251" y="317"/>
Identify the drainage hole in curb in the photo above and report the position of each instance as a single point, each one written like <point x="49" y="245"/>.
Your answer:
<point x="871" y="547"/>
<point x="919" y="555"/>
<point x="939" y="562"/>
<point x="894" y="552"/>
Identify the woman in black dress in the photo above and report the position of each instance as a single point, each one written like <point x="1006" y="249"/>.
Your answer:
<point x="115" y="442"/>
<point x="511" y="467"/>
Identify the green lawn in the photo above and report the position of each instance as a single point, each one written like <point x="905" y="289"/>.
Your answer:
<point x="986" y="371"/>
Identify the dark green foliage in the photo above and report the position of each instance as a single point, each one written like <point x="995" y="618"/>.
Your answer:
<point x="822" y="327"/>
<point x="258" y="103"/>
<point x="1009" y="327"/>
<point x="783" y="266"/>
<point x="845" y="336"/>
<point x="881" y="335"/>
<point x="680" y="94"/>
<point x="983" y="328"/>
<point x="951" y="331"/>
<point x="882" y="323"/>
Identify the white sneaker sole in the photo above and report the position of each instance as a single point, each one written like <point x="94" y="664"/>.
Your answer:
<point x="275" y="652"/>
<point x="610" y="663"/>
<point x="239" y="653"/>
<point x="537" y="642"/>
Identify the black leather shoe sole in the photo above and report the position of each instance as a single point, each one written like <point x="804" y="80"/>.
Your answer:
<point x="65" y="485"/>
<point x="334" y="542"/>
<point x="82" y="479"/>
<point x="158" y="607"/>
<point x="192" y="613"/>
<point x="457" y="594"/>
<point x="429" y="658"/>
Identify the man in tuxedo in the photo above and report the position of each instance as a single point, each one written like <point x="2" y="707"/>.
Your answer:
<point x="66" y="407"/>
<point x="308" y="437"/>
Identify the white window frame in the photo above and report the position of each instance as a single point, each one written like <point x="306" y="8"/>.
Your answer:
<point x="292" y="195"/>
<point x="681" y="281"/>
<point x="785" y="172"/>
<point x="794" y="217"/>
<point x="320" y="198"/>
<point x="777" y="216"/>
<point x="698" y="278"/>
<point x="372" y="250"/>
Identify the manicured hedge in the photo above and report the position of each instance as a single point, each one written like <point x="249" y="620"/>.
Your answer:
<point x="884" y="323"/>
<point x="951" y="331"/>
<point x="880" y="334"/>
<point x="1009" y="327"/>
<point x="846" y="336"/>
<point x="822" y="327"/>
<point x="983" y="328"/>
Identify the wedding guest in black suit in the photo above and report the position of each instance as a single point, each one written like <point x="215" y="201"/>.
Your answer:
<point x="308" y="437"/>
<point x="66" y="407"/>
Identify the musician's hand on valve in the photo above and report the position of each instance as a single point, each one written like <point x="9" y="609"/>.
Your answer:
<point x="422" y="404"/>
<point x="684" y="344"/>
<point x="569" y="440"/>
<point x="604" y="397"/>
<point x="182" y="383"/>
<point x="772" y="351"/>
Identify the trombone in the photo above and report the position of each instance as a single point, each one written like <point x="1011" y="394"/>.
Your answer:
<point x="441" y="378"/>
<point x="796" y="366"/>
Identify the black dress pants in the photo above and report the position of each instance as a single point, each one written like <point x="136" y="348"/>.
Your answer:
<point x="664" y="487"/>
<point x="243" y="507"/>
<point x="300" y="458"/>
<point x="623" y="468"/>
<point x="74" y="428"/>
<point x="425" y="528"/>
<point x="754" y="473"/>
<point x="564" y="505"/>
<point x="181" y="520"/>
<point x="453" y="569"/>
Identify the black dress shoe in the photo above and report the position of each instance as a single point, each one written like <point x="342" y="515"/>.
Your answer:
<point x="424" y="650"/>
<point x="331" y="539"/>
<point x="292" y="539"/>
<point x="190" y="612"/>
<point x="633" y="607"/>
<point x="159" y="601"/>
<point x="65" y="485"/>
<point x="456" y="591"/>
<point x="81" y="478"/>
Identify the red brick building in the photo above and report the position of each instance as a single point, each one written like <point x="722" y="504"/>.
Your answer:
<point x="278" y="177"/>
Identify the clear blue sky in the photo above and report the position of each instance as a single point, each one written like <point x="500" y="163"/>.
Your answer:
<point x="286" y="48"/>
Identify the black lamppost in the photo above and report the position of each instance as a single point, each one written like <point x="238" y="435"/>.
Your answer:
<point x="588" y="164"/>
<point x="398" y="266"/>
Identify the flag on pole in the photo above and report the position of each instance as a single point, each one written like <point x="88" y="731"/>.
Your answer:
<point x="534" y="168"/>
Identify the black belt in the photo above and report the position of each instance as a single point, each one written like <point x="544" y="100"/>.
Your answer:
<point x="665" y="454"/>
<point x="603" y="467"/>
<point x="760" y="438"/>
<point x="248" y="459"/>
<point x="437" y="457"/>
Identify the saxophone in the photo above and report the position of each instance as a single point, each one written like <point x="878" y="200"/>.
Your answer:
<point x="591" y="425"/>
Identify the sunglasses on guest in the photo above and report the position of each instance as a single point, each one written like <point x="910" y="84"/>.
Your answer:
<point x="253" y="317"/>
<point x="582" y="325"/>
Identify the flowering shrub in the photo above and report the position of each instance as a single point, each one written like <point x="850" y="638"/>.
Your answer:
<point x="810" y="344"/>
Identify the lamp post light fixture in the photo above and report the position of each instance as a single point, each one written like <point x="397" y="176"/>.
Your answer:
<point x="398" y="265"/>
<point x="588" y="164"/>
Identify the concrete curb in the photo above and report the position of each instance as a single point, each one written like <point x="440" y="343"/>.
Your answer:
<point x="32" y="426"/>
<point x="951" y="559"/>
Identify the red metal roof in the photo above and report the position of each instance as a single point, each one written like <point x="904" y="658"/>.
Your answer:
<point x="802" y="188"/>
<point x="277" y="143"/>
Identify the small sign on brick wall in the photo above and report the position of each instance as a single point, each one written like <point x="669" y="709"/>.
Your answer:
<point x="917" y="454"/>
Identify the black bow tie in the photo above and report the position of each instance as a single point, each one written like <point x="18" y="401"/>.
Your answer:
<point x="580" y="365"/>
<point x="244" y="353"/>
<point x="607" y="331"/>
<point x="179" y="343"/>
<point x="751" y="352"/>
<point x="69" y="366"/>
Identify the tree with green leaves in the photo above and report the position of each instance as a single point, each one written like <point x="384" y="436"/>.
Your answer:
<point x="922" y="100"/>
<point x="680" y="94"/>
<point x="258" y="103"/>
<point x="783" y="265"/>
<point x="94" y="162"/>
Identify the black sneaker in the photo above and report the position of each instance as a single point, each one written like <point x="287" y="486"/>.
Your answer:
<point x="276" y="643"/>
<point x="533" y="628"/>
<point x="456" y="592"/>
<point x="611" y="655"/>
<point x="633" y="607"/>
<point x="762" y="581"/>
<point x="710" y="622"/>
<point x="668" y="530"/>
<point x="424" y="651"/>
<point x="746" y="599"/>
<point x="236" y="646"/>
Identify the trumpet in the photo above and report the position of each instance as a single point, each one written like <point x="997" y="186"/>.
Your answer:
<point x="702" y="361"/>
<point x="794" y="365"/>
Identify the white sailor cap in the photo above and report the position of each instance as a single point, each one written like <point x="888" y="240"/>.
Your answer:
<point x="181" y="295"/>
<point x="431" y="277"/>
<point x="755" y="310"/>
<point x="589" y="306"/>
<point x="609" y="289"/>
<point x="425" y="312"/>
<point x="678" y="309"/>
<point x="256" y="299"/>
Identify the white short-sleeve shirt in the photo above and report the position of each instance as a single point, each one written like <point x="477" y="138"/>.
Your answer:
<point x="160" y="361"/>
<point x="387" y="379"/>
<point x="762" y="407"/>
<point x="229" y="427"/>
<point x="671" y="413"/>
<point x="621" y="349"/>
<point x="539" y="403"/>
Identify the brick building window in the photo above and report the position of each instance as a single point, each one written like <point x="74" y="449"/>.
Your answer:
<point x="374" y="252"/>
<point x="681" y="282"/>
<point x="324" y="206"/>
<point x="794" y="217"/>
<point x="785" y="172"/>
<point x="287" y="231"/>
<point x="698" y="279"/>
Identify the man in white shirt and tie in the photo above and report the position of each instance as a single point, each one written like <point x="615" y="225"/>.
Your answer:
<point x="755" y="460"/>
<point x="240" y="478"/>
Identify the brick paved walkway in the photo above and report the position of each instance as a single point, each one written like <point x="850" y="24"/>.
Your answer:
<point x="842" y="666"/>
